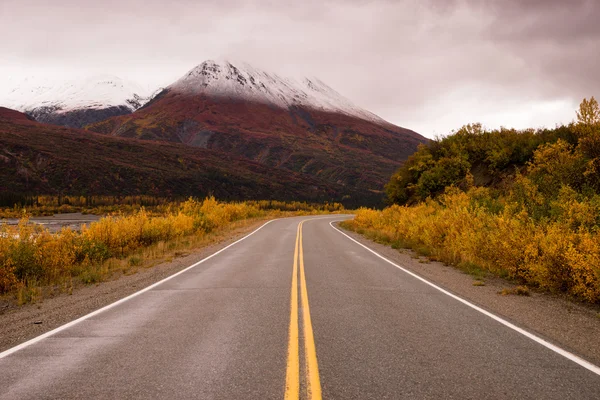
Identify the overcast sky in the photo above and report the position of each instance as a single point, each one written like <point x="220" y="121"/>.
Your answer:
<point x="428" y="65"/>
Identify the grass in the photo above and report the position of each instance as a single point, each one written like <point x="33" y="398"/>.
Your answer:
<point x="28" y="294"/>
<point x="472" y="269"/>
<point x="91" y="276"/>
<point x="134" y="261"/>
<point x="519" y="291"/>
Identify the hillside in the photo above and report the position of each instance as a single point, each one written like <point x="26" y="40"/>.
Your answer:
<point x="471" y="156"/>
<point x="524" y="205"/>
<point x="299" y="125"/>
<point x="46" y="159"/>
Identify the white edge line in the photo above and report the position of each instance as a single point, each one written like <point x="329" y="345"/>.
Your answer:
<point x="578" y="360"/>
<point x="116" y="303"/>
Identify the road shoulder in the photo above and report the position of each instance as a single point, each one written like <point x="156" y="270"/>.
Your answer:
<point x="574" y="327"/>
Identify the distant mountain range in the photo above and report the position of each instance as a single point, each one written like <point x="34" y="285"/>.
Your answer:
<point x="298" y="126"/>
<point x="75" y="103"/>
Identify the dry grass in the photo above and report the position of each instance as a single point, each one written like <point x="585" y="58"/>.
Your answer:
<point x="519" y="291"/>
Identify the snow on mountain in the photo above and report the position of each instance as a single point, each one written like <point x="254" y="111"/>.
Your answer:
<point x="80" y="102"/>
<point x="243" y="81"/>
<point x="97" y="92"/>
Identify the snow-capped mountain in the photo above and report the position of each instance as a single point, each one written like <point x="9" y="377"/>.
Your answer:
<point x="301" y="125"/>
<point x="244" y="82"/>
<point x="226" y="113"/>
<point x="75" y="103"/>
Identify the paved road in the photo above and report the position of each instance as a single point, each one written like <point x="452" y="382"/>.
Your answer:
<point x="241" y="325"/>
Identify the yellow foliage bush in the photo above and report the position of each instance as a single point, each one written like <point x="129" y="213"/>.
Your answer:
<point x="561" y="255"/>
<point x="535" y="219"/>
<point x="31" y="256"/>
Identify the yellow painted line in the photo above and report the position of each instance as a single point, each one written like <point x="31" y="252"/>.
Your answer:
<point x="310" y="350"/>
<point x="292" y="377"/>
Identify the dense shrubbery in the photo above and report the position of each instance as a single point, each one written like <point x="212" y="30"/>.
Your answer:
<point x="42" y="205"/>
<point x="538" y="221"/>
<point x="561" y="254"/>
<point x="32" y="257"/>
<point x="14" y="206"/>
<point x="487" y="157"/>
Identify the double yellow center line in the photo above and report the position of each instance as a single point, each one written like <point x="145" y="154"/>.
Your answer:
<point x="292" y="379"/>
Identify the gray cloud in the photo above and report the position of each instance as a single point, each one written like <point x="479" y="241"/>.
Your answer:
<point x="427" y="65"/>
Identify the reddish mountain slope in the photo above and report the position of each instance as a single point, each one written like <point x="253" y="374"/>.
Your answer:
<point x="299" y="126"/>
<point x="46" y="159"/>
<point x="6" y="114"/>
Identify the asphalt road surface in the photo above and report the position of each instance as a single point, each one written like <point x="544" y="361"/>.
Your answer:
<point x="294" y="310"/>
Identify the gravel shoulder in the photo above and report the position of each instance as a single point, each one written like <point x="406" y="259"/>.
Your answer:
<point x="573" y="326"/>
<point x="20" y="324"/>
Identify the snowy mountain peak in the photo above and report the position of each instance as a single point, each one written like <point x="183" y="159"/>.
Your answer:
<point x="75" y="103"/>
<point x="98" y="92"/>
<point x="239" y="80"/>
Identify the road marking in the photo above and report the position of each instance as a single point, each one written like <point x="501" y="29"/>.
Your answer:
<point x="578" y="360"/>
<point x="292" y="376"/>
<point x="116" y="303"/>
<point x="310" y="351"/>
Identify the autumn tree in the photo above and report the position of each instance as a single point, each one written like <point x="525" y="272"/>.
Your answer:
<point x="589" y="112"/>
<point x="587" y="130"/>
